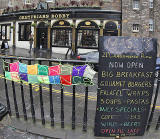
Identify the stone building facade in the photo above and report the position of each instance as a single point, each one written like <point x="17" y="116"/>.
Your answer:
<point x="139" y="18"/>
<point x="146" y="16"/>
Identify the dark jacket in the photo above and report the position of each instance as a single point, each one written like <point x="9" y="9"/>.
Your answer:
<point x="3" y="45"/>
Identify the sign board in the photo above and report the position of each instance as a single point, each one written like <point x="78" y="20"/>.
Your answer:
<point x="126" y="80"/>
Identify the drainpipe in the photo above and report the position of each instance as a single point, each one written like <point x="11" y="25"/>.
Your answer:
<point x="35" y="34"/>
<point x="101" y="28"/>
<point x="49" y="35"/>
<point x="74" y="37"/>
<point x="14" y="34"/>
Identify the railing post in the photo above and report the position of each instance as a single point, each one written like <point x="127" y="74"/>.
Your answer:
<point x="41" y="101"/>
<point x="41" y="104"/>
<point x="23" y="101"/>
<point x="6" y="93"/>
<point x="31" y="99"/>
<point x="154" y="105"/>
<point x="85" y="110"/>
<point x="62" y="108"/>
<point x="14" y="98"/>
<point x="51" y="103"/>
<point x="73" y="108"/>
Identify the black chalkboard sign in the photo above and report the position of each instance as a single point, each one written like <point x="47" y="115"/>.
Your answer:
<point x="125" y="80"/>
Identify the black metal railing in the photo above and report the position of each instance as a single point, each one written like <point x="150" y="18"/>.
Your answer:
<point x="154" y="106"/>
<point x="51" y="62"/>
<point x="33" y="107"/>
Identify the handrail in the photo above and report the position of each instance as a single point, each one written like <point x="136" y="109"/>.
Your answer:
<point x="52" y="60"/>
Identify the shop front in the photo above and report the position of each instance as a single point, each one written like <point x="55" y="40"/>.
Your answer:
<point x="55" y="29"/>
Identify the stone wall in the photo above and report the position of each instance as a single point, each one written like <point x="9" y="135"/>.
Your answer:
<point x="131" y="16"/>
<point x="156" y="16"/>
<point x="113" y="5"/>
<point x="3" y="4"/>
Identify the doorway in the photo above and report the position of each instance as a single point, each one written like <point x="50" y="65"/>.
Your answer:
<point x="42" y="35"/>
<point x="110" y="29"/>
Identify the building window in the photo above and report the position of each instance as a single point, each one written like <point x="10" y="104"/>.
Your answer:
<point x="28" y="1"/>
<point x="24" y="31"/>
<point x="5" y="32"/>
<point x="151" y="25"/>
<point x="61" y="37"/>
<point x="61" y="34"/>
<point x="135" y="28"/>
<point x="150" y="3"/>
<point x="87" y="35"/>
<point x="136" y="4"/>
<point x="42" y="6"/>
<point x="88" y="38"/>
<point x="110" y="29"/>
<point x="49" y="0"/>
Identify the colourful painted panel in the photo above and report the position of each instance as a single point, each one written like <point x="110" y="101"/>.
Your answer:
<point x="22" y="68"/>
<point x="32" y="69"/>
<point x="66" y="69"/>
<point x="77" y="80"/>
<point x="54" y="79"/>
<point x="42" y="70"/>
<point x="43" y="79"/>
<point x="8" y="75"/>
<point x="89" y="72"/>
<point x="66" y="79"/>
<point x="61" y="74"/>
<point x="78" y="70"/>
<point x="14" y="67"/>
<point x="54" y="70"/>
<point x="15" y="76"/>
<point x="33" y="79"/>
<point x="23" y="76"/>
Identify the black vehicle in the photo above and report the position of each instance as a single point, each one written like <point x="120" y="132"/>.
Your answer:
<point x="90" y="57"/>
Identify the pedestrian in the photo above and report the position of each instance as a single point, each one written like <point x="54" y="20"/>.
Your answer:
<point x="3" y="45"/>
<point x="30" y="42"/>
<point x="6" y="45"/>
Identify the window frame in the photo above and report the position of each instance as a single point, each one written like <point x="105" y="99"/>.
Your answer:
<point x="28" y="3"/>
<point x="135" y="3"/>
<point x="48" y="1"/>
<point x="151" y="25"/>
<point x="87" y="35"/>
<point x="64" y="37"/>
<point x="67" y="42"/>
<point x="135" y="28"/>
<point x="7" y="33"/>
<point x="80" y="34"/>
<point x="25" y="29"/>
<point x="150" y="3"/>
